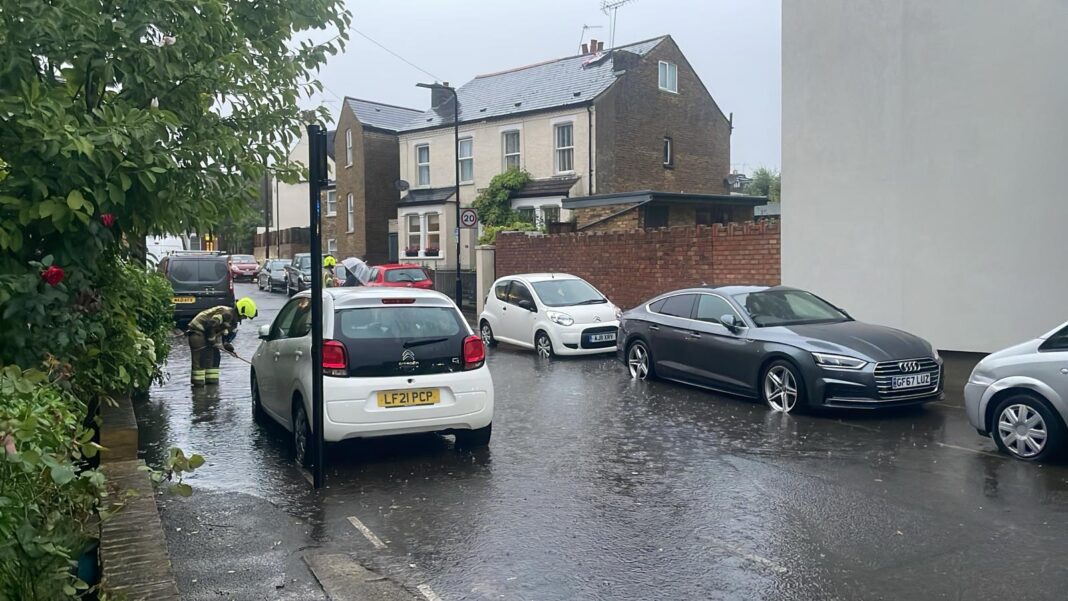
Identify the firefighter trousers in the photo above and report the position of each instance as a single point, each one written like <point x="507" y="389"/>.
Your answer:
<point x="205" y="358"/>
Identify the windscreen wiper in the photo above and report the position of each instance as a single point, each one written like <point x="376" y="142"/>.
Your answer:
<point x="412" y="343"/>
<point x="593" y="301"/>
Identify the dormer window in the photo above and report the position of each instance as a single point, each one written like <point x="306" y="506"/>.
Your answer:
<point x="669" y="77"/>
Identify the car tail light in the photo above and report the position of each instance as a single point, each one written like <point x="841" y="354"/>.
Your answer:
<point x="398" y="301"/>
<point x="335" y="359"/>
<point x="474" y="352"/>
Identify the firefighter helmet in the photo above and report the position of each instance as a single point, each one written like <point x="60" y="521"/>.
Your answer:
<point x="246" y="307"/>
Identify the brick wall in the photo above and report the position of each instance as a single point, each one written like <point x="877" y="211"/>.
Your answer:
<point x="627" y="221"/>
<point x="381" y="171"/>
<point x="349" y="180"/>
<point x="634" y="116"/>
<point x="631" y="267"/>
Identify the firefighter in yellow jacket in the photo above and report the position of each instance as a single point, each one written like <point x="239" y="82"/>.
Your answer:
<point x="212" y="330"/>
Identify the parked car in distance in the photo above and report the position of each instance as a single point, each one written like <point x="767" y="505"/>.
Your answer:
<point x="784" y="346"/>
<point x="244" y="267"/>
<point x="553" y="313"/>
<point x="298" y="273"/>
<point x="395" y="361"/>
<point x="1019" y="396"/>
<point x="272" y="275"/>
<point x="201" y="280"/>
<point x="400" y="275"/>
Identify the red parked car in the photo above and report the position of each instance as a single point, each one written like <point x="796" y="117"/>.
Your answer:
<point x="401" y="275"/>
<point x="244" y="267"/>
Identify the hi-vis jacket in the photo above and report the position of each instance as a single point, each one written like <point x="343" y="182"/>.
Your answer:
<point x="216" y="324"/>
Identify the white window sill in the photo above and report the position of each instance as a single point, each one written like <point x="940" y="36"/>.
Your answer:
<point x="334" y="214"/>
<point x="572" y="172"/>
<point x="669" y="91"/>
<point x="470" y="183"/>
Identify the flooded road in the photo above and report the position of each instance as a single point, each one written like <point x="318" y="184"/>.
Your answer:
<point x="596" y="487"/>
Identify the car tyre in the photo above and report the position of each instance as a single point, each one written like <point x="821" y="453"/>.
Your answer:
<point x="472" y="439"/>
<point x="543" y="345"/>
<point x="302" y="436"/>
<point x="639" y="361"/>
<point x="289" y="289"/>
<point x="1025" y="428"/>
<point x="781" y="387"/>
<point x="259" y="284"/>
<point x="270" y="285"/>
<point x="257" y="403"/>
<point x="486" y="333"/>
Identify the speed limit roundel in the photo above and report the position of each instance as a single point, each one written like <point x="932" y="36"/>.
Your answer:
<point x="468" y="218"/>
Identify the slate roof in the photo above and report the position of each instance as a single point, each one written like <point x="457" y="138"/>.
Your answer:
<point x="381" y="116"/>
<point x="427" y="196"/>
<point x="552" y="186"/>
<point x="547" y="85"/>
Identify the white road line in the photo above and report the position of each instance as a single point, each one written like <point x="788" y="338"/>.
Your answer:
<point x="428" y="592"/>
<point x="953" y="446"/>
<point x="377" y="542"/>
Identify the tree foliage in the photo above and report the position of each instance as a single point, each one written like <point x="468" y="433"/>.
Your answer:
<point x="765" y="182"/>
<point x="494" y="204"/>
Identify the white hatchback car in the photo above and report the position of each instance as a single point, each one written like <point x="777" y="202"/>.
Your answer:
<point x="553" y="313"/>
<point x="395" y="361"/>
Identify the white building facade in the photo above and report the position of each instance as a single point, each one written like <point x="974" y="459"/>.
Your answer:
<point x="923" y="150"/>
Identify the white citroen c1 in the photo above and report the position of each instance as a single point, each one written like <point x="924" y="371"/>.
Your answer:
<point x="395" y="361"/>
<point x="552" y="313"/>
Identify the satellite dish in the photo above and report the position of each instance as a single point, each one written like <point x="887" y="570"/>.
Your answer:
<point x="401" y="185"/>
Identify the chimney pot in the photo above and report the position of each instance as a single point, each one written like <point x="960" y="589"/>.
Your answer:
<point x="585" y="48"/>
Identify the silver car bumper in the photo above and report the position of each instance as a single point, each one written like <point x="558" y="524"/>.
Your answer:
<point x="973" y="401"/>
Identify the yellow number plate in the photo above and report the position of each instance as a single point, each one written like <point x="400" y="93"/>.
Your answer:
<point x="184" y="300"/>
<point x="409" y="398"/>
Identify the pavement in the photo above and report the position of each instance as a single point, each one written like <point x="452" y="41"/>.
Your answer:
<point x="597" y="487"/>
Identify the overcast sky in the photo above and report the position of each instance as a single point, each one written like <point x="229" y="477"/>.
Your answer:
<point x="733" y="45"/>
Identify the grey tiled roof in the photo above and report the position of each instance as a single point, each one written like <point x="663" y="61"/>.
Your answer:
<point x="542" y="86"/>
<point x="427" y="196"/>
<point x="552" y="186"/>
<point x="382" y="116"/>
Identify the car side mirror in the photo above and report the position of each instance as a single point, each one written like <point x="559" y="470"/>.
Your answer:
<point x="265" y="332"/>
<point x="731" y="322"/>
<point x="529" y="306"/>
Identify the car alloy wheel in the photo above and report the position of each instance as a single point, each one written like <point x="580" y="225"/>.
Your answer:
<point x="301" y="436"/>
<point x="1022" y="430"/>
<point x="638" y="361"/>
<point x="543" y="345"/>
<point x="780" y="388"/>
<point x="487" y="334"/>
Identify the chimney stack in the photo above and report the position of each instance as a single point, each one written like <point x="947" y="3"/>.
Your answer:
<point x="439" y="96"/>
<point x="600" y="46"/>
<point x="585" y="49"/>
<point x="593" y="46"/>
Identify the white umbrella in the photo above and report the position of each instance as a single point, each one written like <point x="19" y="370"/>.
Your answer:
<point x="358" y="268"/>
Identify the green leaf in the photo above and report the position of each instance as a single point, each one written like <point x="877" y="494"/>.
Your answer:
<point x="183" y="490"/>
<point x="195" y="461"/>
<point x="75" y="200"/>
<point x="62" y="474"/>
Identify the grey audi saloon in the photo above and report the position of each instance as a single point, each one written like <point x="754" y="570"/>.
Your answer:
<point x="784" y="346"/>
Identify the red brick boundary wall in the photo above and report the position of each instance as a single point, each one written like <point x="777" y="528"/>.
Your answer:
<point x="631" y="267"/>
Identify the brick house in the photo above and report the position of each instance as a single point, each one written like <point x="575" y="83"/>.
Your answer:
<point x="647" y="209"/>
<point x="359" y="211"/>
<point x="636" y="117"/>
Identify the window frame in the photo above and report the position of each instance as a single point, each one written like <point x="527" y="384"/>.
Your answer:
<point x="418" y="232"/>
<point x="697" y="304"/>
<point x="645" y="216"/>
<point x="516" y="285"/>
<point x="331" y="245"/>
<point x="669" y="153"/>
<point x="502" y="290"/>
<point x="350" y="208"/>
<point x="470" y="159"/>
<point x="331" y="203"/>
<point x="668" y="77"/>
<point x="693" y="306"/>
<point x="348" y="147"/>
<point x="420" y="166"/>
<point x="518" y="154"/>
<point x="1056" y="343"/>
<point x="436" y="232"/>
<point x="553" y="208"/>
<point x="559" y="151"/>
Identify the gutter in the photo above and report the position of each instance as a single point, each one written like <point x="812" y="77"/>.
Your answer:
<point x="589" y="142"/>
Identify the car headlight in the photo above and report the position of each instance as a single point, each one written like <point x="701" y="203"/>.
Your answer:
<point x="619" y="313"/>
<point x="559" y="318"/>
<point x="934" y="353"/>
<point x="838" y="361"/>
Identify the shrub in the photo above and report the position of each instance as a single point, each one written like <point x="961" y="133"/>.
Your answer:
<point x="47" y="496"/>
<point x="489" y="233"/>
<point x="494" y="204"/>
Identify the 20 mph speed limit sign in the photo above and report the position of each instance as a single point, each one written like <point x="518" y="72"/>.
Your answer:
<point x="468" y="218"/>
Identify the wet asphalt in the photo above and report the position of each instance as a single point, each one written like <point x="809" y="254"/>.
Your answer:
<point x="597" y="487"/>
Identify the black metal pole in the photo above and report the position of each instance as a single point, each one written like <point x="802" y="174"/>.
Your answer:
<point x="267" y="214"/>
<point x="456" y="136"/>
<point x="316" y="148"/>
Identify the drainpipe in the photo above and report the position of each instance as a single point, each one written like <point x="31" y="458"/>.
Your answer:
<point x="589" y="143"/>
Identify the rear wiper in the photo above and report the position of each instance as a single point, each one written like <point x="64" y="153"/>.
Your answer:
<point x="593" y="301"/>
<point x="412" y="343"/>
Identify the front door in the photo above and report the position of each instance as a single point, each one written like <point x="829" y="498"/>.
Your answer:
<point x="394" y="255"/>
<point x="294" y="355"/>
<point x="268" y="359"/>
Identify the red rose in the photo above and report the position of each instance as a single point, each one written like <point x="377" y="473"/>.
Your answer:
<point x="107" y="219"/>
<point x="53" y="275"/>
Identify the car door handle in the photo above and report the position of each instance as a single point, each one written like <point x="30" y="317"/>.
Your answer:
<point x="654" y="328"/>
<point x="695" y="335"/>
<point x="277" y="355"/>
<point x="298" y="355"/>
<point x="1064" y="370"/>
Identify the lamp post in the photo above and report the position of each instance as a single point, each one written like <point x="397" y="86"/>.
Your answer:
<point x="317" y="178"/>
<point x="456" y="155"/>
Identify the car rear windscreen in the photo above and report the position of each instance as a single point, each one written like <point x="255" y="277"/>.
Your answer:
<point x="408" y="274"/>
<point x="242" y="259"/>
<point x="401" y="340"/>
<point x="197" y="271"/>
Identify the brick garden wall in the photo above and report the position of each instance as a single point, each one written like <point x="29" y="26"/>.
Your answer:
<point x="631" y="267"/>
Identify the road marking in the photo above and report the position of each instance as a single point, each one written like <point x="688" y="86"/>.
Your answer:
<point x="953" y="446"/>
<point x="428" y="592"/>
<point x="377" y="542"/>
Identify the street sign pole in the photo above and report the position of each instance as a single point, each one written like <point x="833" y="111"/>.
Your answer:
<point x="316" y="178"/>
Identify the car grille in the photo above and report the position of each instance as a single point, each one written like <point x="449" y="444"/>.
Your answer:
<point x="885" y="372"/>
<point x="598" y="330"/>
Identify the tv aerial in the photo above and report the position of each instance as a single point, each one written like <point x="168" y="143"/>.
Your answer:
<point x="610" y="8"/>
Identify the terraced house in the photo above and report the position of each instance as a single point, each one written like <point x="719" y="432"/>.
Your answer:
<point x="594" y="125"/>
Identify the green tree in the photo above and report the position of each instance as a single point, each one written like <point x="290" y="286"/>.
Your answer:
<point x="765" y="182"/>
<point x="130" y="117"/>
<point x="494" y="204"/>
